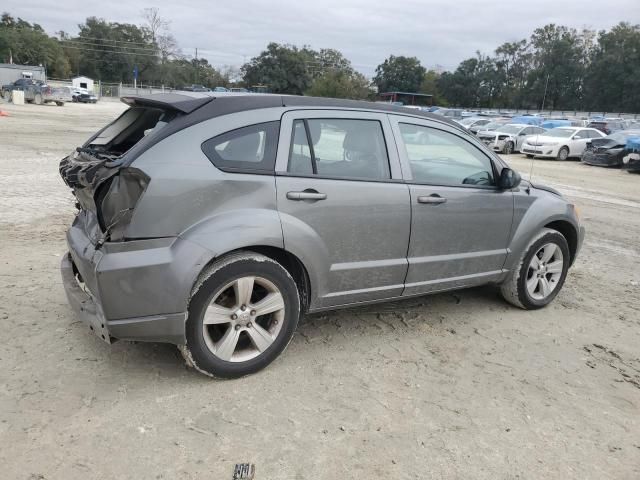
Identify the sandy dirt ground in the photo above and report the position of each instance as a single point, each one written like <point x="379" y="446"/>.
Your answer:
<point x="457" y="385"/>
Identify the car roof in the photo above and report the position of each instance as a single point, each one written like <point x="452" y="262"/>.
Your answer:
<point x="213" y="104"/>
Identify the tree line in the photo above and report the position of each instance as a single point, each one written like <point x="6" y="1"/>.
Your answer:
<point x="557" y="67"/>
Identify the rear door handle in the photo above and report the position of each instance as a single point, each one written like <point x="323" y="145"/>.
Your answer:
<point x="434" y="199"/>
<point x="306" y="195"/>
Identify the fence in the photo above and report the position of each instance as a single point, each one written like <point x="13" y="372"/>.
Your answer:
<point x="555" y="113"/>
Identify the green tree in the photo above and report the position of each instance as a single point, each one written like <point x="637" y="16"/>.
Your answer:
<point x="337" y="83"/>
<point x="110" y="51"/>
<point x="612" y="82"/>
<point x="514" y="59"/>
<point x="430" y="86"/>
<point x="400" y="74"/>
<point x="559" y="66"/>
<point x="28" y="44"/>
<point x="283" y="68"/>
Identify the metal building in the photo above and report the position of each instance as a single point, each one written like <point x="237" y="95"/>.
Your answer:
<point x="10" y="72"/>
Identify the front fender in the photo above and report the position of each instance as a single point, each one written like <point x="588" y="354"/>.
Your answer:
<point x="531" y="214"/>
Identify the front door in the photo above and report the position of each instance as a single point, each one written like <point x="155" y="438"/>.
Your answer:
<point x="343" y="206"/>
<point x="460" y="220"/>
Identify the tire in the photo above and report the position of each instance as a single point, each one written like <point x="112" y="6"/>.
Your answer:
<point x="60" y="104"/>
<point x="515" y="290"/>
<point x="563" y="153"/>
<point x="508" y="148"/>
<point x="6" y="95"/>
<point x="529" y="155"/>
<point x="207" y="348"/>
<point x="37" y="99"/>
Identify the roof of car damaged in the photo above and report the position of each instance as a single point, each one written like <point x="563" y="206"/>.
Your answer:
<point x="220" y="103"/>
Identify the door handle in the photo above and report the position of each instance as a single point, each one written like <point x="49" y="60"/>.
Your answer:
<point x="434" y="199"/>
<point x="306" y="195"/>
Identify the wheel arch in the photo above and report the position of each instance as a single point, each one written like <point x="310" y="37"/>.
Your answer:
<point x="288" y="260"/>
<point x="569" y="232"/>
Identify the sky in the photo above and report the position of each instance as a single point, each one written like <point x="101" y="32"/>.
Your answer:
<point x="438" y="32"/>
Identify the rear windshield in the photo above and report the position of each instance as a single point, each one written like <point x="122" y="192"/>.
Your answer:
<point x="128" y="129"/>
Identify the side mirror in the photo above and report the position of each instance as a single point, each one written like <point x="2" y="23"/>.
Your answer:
<point x="521" y="134"/>
<point x="509" y="179"/>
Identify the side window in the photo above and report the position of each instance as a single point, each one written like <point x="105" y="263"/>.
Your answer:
<point x="339" y="148"/>
<point x="441" y="158"/>
<point x="251" y="149"/>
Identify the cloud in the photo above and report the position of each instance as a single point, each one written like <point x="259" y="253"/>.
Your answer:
<point x="438" y="32"/>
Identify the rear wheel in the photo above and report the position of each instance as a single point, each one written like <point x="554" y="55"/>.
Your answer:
<point x="563" y="153"/>
<point x="38" y="99"/>
<point x="6" y="95"/>
<point x="529" y="155"/>
<point x="242" y="315"/>
<point x="60" y="104"/>
<point x="541" y="272"/>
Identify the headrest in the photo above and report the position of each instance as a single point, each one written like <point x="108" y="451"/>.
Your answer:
<point x="359" y="140"/>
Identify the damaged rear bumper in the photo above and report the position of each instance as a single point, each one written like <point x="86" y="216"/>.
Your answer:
<point x="131" y="290"/>
<point x="154" y="328"/>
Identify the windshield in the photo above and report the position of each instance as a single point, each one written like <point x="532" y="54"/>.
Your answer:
<point x="621" y="137"/>
<point x="510" y="129"/>
<point x="560" y="132"/>
<point x="469" y="121"/>
<point x="492" y="125"/>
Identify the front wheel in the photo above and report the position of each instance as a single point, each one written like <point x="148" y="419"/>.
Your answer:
<point x="60" y="104"/>
<point x="541" y="272"/>
<point x="529" y="155"/>
<point x="508" y="148"/>
<point x="563" y="153"/>
<point x="242" y="315"/>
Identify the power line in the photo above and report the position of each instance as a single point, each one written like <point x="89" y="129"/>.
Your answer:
<point x="121" y="52"/>
<point x="80" y="37"/>
<point x="75" y="42"/>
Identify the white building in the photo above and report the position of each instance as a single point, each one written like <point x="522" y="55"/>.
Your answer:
<point x="83" y="82"/>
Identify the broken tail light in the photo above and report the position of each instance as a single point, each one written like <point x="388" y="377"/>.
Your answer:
<point x="116" y="200"/>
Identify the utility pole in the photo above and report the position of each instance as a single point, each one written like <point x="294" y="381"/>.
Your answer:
<point x="196" y="66"/>
<point x="544" y="98"/>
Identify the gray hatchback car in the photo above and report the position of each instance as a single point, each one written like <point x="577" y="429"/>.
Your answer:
<point x="214" y="221"/>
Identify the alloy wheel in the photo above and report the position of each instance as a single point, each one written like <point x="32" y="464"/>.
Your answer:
<point x="544" y="271"/>
<point x="243" y="319"/>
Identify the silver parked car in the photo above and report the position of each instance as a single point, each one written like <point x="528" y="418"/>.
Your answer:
<point x="214" y="221"/>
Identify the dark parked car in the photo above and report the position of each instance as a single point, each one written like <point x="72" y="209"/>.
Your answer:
<point x="214" y="221"/>
<point x="608" y="151"/>
<point x="607" y="126"/>
<point x="85" y="98"/>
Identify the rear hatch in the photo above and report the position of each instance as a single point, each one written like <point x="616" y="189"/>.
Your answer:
<point x="106" y="186"/>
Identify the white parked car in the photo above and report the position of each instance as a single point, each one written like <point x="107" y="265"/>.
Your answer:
<point x="474" y="122"/>
<point x="508" y="138"/>
<point x="560" y="143"/>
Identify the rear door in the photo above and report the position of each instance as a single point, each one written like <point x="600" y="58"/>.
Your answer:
<point x="460" y="222"/>
<point x="343" y="205"/>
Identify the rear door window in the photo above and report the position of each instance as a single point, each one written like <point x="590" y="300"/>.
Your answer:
<point x="250" y="149"/>
<point x="342" y="148"/>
